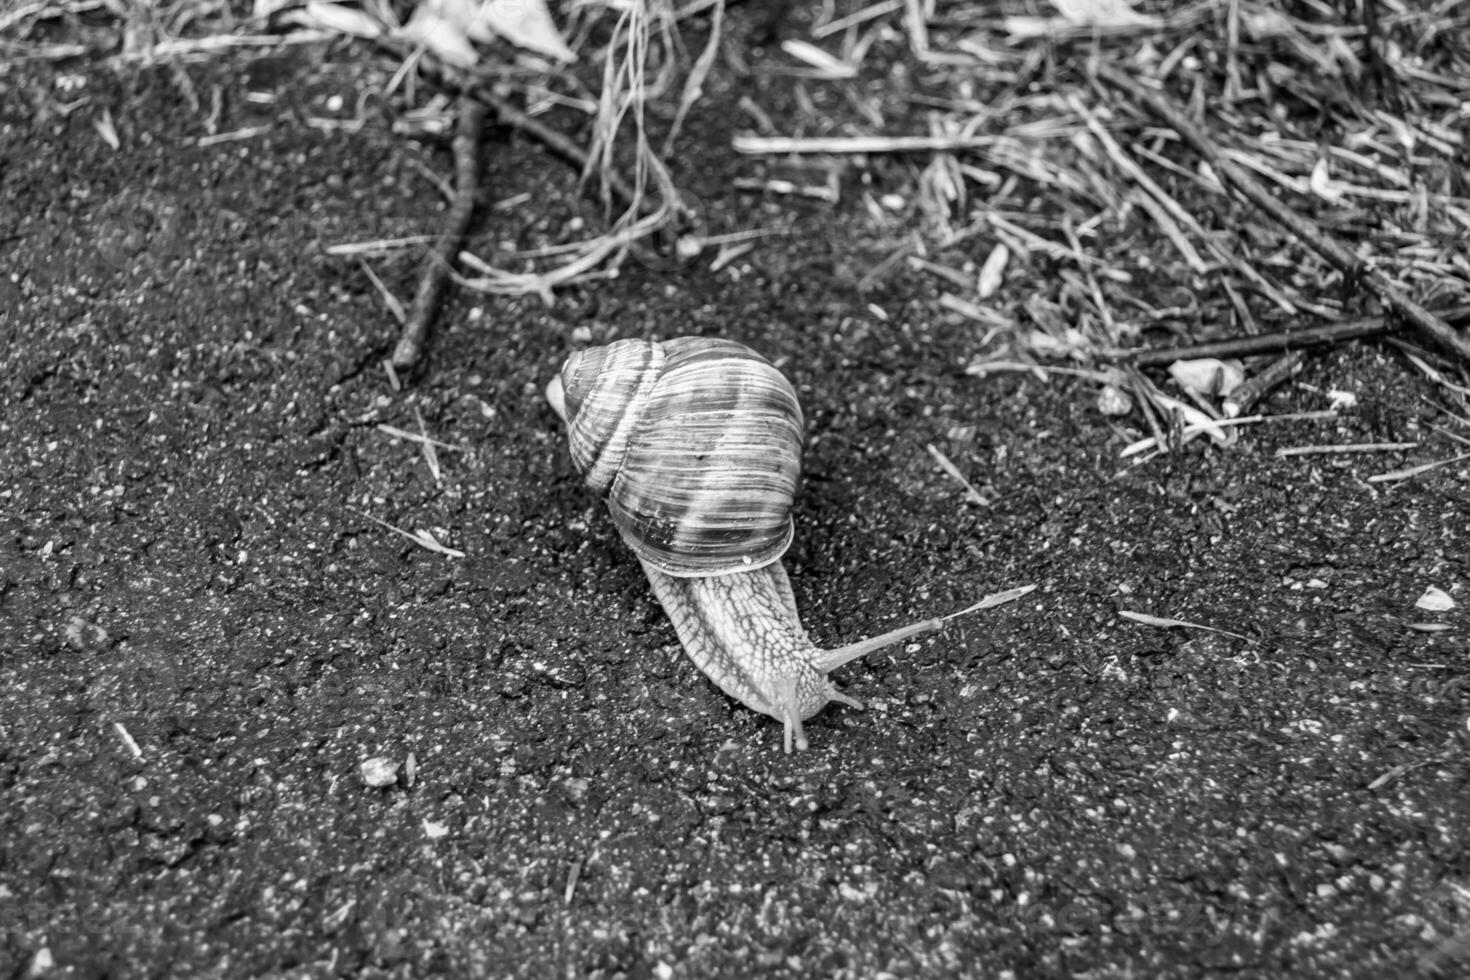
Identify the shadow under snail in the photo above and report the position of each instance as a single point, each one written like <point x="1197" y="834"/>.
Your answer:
<point x="695" y="443"/>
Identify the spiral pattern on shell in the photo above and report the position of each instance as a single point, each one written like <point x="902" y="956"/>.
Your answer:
<point x="695" y="443"/>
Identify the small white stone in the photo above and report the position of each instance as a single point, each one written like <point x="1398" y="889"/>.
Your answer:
<point x="1435" y="600"/>
<point x="378" y="771"/>
<point x="1113" y="401"/>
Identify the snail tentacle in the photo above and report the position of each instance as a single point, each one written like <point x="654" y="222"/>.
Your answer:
<point x="743" y="632"/>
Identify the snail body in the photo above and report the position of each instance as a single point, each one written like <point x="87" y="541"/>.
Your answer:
<point x="696" y="445"/>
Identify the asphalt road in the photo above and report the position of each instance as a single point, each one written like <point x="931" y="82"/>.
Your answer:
<point x="205" y="631"/>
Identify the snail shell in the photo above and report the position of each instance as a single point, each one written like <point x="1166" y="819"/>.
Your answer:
<point x="695" y="443"/>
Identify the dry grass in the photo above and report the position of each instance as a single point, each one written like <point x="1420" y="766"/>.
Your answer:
<point x="1106" y="208"/>
<point x="642" y="34"/>
<point x="1169" y="175"/>
<point x="631" y="56"/>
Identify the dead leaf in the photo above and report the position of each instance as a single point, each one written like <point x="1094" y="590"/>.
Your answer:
<point x="443" y="26"/>
<point x="335" y="17"/>
<point x="1207" y="375"/>
<point x="1435" y="600"/>
<point x="525" y="23"/>
<point x="448" y="26"/>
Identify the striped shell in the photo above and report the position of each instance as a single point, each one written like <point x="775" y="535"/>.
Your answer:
<point x="695" y="443"/>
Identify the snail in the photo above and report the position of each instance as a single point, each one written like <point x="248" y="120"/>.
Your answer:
<point x="696" y="445"/>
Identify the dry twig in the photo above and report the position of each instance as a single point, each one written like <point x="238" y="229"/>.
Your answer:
<point x="1239" y="401"/>
<point x="437" y="265"/>
<point x="481" y="85"/>
<point x="1277" y="342"/>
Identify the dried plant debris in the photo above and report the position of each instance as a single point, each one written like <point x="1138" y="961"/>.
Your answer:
<point x="1086" y="183"/>
<point x="598" y="64"/>
<point x="1107" y="182"/>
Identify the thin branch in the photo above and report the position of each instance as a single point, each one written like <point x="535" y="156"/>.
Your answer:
<point x="481" y="84"/>
<point x="1278" y="342"/>
<point x="1239" y="401"/>
<point x="508" y="115"/>
<point x="437" y="265"/>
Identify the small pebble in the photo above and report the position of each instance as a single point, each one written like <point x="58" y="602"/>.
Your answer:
<point x="1112" y="400"/>
<point x="378" y="771"/>
<point x="1435" y="600"/>
<point x="688" y="247"/>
